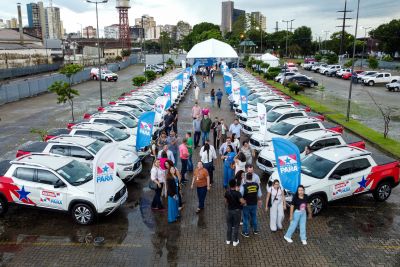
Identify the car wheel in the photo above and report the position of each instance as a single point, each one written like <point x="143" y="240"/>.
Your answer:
<point x="82" y="214"/>
<point x="382" y="191"/>
<point x="371" y="83"/>
<point x="318" y="203"/>
<point x="312" y="85"/>
<point x="397" y="89"/>
<point x="3" y="206"/>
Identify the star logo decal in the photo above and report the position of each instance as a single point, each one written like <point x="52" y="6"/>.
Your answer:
<point x="287" y="160"/>
<point x="105" y="168"/>
<point x="23" y="194"/>
<point x="363" y="183"/>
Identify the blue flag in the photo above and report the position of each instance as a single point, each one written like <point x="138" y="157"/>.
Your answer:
<point x="167" y="91"/>
<point x="288" y="163"/>
<point x="228" y="83"/>
<point x="145" y="129"/>
<point x="244" y="92"/>
<point x="180" y="79"/>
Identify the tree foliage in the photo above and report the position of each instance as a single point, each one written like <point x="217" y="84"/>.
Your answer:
<point x="138" y="80"/>
<point x="302" y="37"/>
<point x="373" y="63"/>
<point x="388" y="36"/>
<point x="150" y="75"/>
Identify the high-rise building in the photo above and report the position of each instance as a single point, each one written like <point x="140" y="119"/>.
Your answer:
<point x="182" y="29"/>
<point x="89" y="32"/>
<point x="37" y="17"/>
<point x="171" y="30"/>
<point x="53" y="23"/>
<point x="2" y="24"/>
<point x="112" y="31"/>
<point x="226" y="18"/>
<point x="12" y="23"/>
<point x="260" y="20"/>
<point x="147" y="24"/>
<point x="238" y="14"/>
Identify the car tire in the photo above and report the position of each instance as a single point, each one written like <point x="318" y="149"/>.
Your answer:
<point x="371" y="83"/>
<point x="318" y="203"/>
<point x="312" y="85"/>
<point x="382" y="191"/>
<point x="397" y="89"/>
<point x="82" y="214"/>
<point x="3" y="206"/>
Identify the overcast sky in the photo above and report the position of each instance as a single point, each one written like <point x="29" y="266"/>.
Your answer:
<point x="320" y="15"/>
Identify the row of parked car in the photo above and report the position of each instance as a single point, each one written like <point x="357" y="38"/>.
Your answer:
<point x="369" y="78"/>
<point x="334" y="165"/>
<point x="56" y="173"/>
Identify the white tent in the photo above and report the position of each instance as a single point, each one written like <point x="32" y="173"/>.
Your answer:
<point x="212" y="48"/>
<point x="272" y="60"/>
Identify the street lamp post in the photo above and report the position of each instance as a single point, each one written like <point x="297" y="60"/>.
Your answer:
<point x="365" y="39"/>
<point x="98" y="45"/>
<point x="261" y="44"/>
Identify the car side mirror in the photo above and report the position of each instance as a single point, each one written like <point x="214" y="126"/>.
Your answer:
<point x="59" y="184"/>
<point x="89" y="157"/>
<point x="335" y="177"/>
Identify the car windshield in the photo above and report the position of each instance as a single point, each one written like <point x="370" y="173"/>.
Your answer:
<point x="117" y="134"/>
<point x="129" y="122"/>
<point x="95" y="146"/>
<point x="150" y="100"/>
<point x="372" y="75"/>
<point x="257" y="100"/>
<point x="317" y="167"/>
<point x="76" y="173"/>
<point x="301" y="143"/>
<point x="144" y="106"/>
<point x="273" y="116"/>
<point x="253" y="96"/>
<point x="281" y="128"/>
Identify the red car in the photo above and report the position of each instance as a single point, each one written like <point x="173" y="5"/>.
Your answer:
<point x="348" y="75"/>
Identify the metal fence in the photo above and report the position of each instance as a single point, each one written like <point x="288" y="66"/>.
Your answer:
<point x="24" y="71"/>
<point x="16" y="90"/>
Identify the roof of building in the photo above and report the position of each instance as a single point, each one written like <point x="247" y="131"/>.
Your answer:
<point x="13" y="35"/>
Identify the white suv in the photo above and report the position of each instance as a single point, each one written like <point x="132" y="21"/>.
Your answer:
<point x="56" y="183"/>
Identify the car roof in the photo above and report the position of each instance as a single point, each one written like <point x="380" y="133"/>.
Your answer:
<point x="114" y="116"/>
<point x="339" y="153"/>
<point x="300" y="120"/>
<point x="277" y="103"/>
<point x="68" y="139"/>
<point x="92" y="126"/>
<point x="315" y="134"/>
<point x="284" y="110"/>
<point x="121" y="108"/>
<point x="53" y="162"/>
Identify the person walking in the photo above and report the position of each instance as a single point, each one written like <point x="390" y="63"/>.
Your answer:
<point x="219" y="95"/>
<point x="184" y="156"/>
<point x="205" y="111"/>
<point x="173" y="146"/>
<point x="196" y="110"/>
<point x="255" y="177"/>
<point x="205" y="126"/>
<point x="157" y="176"/>
<point x="221" y="131"/>
<point x="197" y="131"/>
<point x="212" y="95"/>
<point x="202" y="181"/>
<point x="298" y="215"/>
<point x="234" y="202"/>
<point x="235" y="128"/>
<point x="240" y="162"/>
<point x="168" y="121"/>
<point x="166" y="153"/>
<point x="248" y="152"/>
<point x="196" y="92"/>
<point x="228" y="158"/>
<point x="235" y="142"/>
<point x="189" y="144"/>
<point x="174" y="113"/>
<point x="276" y="204"/>
<point x="251" y="193"/>
<point x="214" y="127"/>
<point x="204" y="82"/>
<point x="222" y="148"/>
<point x="162" y="141"/>
<point x="207" y="155"/>
<point x="172" y="192"/>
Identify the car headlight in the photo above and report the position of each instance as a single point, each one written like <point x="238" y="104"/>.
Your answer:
<point x="111" y="199"/>
<point x="127" y="169"/>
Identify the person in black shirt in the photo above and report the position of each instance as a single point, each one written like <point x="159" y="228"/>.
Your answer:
<point x="214" y="128"/>
<point x="298" y="215"/>
<point x="168" y="121"/>
<point x="251" y="193"/>
<point x="174" y="113"/>
<point x="234" y="201"/>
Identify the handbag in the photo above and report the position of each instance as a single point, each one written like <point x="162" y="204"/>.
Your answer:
<point x="153" y="185"/>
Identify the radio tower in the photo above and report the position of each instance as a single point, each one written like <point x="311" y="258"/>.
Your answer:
<point x="124" y="36"/>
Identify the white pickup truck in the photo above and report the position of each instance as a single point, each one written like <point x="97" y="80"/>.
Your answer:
<point x="380" y="77"/>
<point x="342" y="171"/>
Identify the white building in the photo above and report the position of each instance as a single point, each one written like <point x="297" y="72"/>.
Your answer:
<point x="54" y="26"/>
<point x="112" y="31"/>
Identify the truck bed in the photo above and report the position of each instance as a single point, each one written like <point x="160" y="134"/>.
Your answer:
<point x="4" y="166"/>
<point x="350" y="139"/>
<point x="58" y="131"/>
<point x="382" y="159"/>
<point x="33" y="146"/>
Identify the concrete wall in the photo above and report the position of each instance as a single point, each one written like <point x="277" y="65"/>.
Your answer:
<point x="16" y="90"/>
<point x="158" y="58"/>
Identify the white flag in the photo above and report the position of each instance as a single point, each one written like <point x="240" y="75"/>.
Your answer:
<point x="262" y="117"/>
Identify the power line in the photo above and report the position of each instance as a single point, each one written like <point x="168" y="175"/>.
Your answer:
<point x="343" y="26"/>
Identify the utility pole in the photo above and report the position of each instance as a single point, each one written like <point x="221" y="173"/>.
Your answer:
<point x="343" y="26"/>
<point x="326" y="37"/>
<point x="287" y="33"/>
<point x="352" y="65"/>
<point x="365" y="40"/>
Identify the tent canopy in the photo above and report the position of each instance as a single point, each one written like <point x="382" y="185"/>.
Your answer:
<point x="272" y="60"/>
<point x="212" y="48"/>
<point x="247" y="43"/>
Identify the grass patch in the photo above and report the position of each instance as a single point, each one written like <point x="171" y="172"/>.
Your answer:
<point x="387" y="144"/>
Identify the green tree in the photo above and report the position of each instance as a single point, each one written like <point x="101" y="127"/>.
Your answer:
<point x="170" y="62"/>
<point x="302" y="37"/>
<point x="138" y="80"/>
<point x="334" y="43"/>
<point x="150" y="75"/>
<point x="388" y="36"/>
<point x="200" y="33"/>
<point x="165" y="42"/>
<point x="373" y="63"/>
<point x="64" y="91"/>
<point x="125" y="53"/>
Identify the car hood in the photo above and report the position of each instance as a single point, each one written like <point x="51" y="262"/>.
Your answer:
<point x="267" y="137"/>
<point x="128" y="144"/>
<point x="126" y="157"/>
<point x="268" y="152"/>
<point x="305" y="180"/>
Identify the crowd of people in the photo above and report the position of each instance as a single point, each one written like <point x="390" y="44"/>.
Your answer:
<point x="213" y="139"/>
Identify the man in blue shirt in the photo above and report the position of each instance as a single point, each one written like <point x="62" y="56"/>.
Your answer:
<point x="219" y="95"/>
<point x="235" y="128"/>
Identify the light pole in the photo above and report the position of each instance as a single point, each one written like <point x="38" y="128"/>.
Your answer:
<point x="261" y="44"/>
<point x="81" y="29"/>
<point x="326" y="37"/>
<point x="352" y="65"/>
<point x="365" y="40"/>
<point x="98" y="45"/>
<point x="287" y="33"/>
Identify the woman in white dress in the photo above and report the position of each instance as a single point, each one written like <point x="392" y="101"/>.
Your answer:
<point x="276" y="204"/>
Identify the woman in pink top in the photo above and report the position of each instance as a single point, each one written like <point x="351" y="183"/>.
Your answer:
<point x="206" y="111"/>
<point x="184" y="155"/>
<point x="196" y="111"/>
